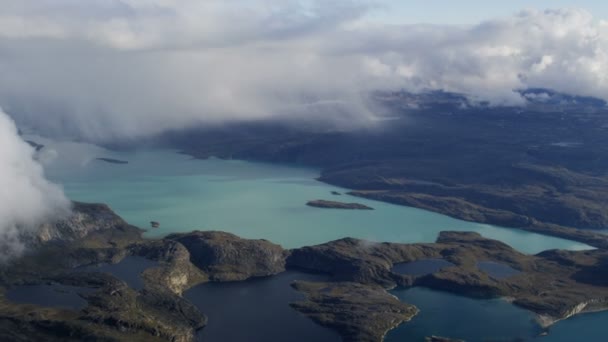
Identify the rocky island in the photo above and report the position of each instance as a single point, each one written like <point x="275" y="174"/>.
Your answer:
<point x="354" y="301"/>
<point x="337" y="205"/>
<point x="359" y="312"/>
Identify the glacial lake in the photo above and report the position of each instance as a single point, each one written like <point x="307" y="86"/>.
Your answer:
<point x="257" y="200"/>
<point x="252" y="200"/>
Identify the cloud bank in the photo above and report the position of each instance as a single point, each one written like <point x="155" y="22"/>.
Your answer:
<point x="127" y="68"/>
<point x="27" y="199"/>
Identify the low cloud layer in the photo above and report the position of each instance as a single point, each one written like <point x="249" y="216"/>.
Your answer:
<point x="129" y="68"/>
<point x="27" y="199"/>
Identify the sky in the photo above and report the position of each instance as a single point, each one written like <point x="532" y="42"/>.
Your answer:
<point x="466" y="12"/>
<point x="101" y="70"/>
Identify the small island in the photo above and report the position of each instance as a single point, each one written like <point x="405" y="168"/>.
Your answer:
<point x="337" y="205"/>
<point x="35" y="145"/>
<point x="112" y="161"/>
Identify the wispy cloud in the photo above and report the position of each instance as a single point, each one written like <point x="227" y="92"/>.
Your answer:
<point x="27" y="199"/>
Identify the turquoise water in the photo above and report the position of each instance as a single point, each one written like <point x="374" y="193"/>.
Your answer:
<point x="252" y="200"/>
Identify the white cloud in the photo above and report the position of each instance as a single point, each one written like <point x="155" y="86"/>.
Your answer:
<point x="128" y="68"/>
<point x="27" y="199"/>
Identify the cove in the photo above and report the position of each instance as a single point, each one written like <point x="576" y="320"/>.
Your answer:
<point x="128" y="270"/>
<point x="257" y="310"/>
<point x="472" y="320"/>
<point x="252" y="200"/>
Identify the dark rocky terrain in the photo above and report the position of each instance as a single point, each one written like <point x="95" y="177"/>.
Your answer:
<point x="337" y="205"/>
<point x="542" y="167"/>
<point x="94" y="234"/>
<point x="355" y="302"/>
<point x="226" y="257"/>
<point x="554" y="284"/>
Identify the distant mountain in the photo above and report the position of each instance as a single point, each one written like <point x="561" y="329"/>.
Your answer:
<point x="548" y="96"/>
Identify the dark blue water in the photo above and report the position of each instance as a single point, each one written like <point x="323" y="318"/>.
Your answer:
<point x="257" y="310"/>
<point x="586" y="327"/>
<point x="55" y="295"/>
<point x="453" y="316"/>
<point x="421" y="267"/>
<point x="497" y="270"/>
<point x="128" y="270"/>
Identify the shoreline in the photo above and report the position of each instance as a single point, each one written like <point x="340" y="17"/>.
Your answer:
<point x="586" y="236"/>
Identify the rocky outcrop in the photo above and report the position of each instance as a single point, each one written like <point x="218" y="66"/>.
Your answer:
<point x="360" y="261"/>
<point x="360" y="313"/>
<point x="226" y="257"/>
<point x="337" y="205"/>
<point x="175" y="271"/>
